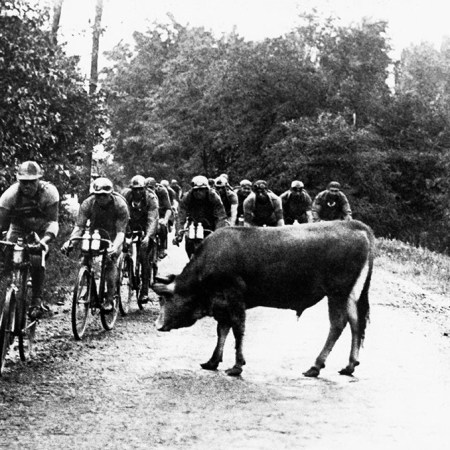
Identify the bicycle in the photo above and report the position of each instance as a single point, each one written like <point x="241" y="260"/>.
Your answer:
<point x="88" y="294"/>
<point x="14" y="319"/>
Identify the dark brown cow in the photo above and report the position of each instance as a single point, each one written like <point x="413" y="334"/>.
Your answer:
<point x="290" y="267"/>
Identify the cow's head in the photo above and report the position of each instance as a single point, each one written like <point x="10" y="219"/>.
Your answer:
<point x="177" y="310"/>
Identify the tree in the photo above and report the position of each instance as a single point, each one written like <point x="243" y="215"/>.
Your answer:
<point x="45" y="113"/>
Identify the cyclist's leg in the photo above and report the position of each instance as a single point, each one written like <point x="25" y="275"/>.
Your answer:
<point x="144" y="251"/>
<point x="162" y="233"/>
<point x="111" y="275"/>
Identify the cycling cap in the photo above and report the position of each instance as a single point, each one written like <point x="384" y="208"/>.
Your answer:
<point x="29" y="170"/>
<point x="260" y="184"/>
<point x="199" y="182"/>
<point x="138" y="181"/>
<point x="334" y="185"/>
<point x="102" y="185"/>
<point x="174" y="181"/>
<point x="220" y="182"/>
<point x="165" y="183"/>
<point x="297" y="184"/>
<point x="245" y="183"/>
<point x="224" y="175"/>
<point x="150" y="181"/>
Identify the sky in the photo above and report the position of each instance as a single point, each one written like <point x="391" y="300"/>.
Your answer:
<point x="410" y="21"/>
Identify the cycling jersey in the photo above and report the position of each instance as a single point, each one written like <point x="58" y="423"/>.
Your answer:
<point x="38" y="213"/>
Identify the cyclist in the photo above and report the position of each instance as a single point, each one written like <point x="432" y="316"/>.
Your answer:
<point x="331" y="204"/>
<point x="31" y="205"/>
<point x="296" y="204"/>
<point x="165" y="212"/>
<point x="173" y="202"/>
<point x="107" y="211"/>
<point x="177" y="188"/>
<point x="201" y="204"/>
<point x="263" y="207"/>
<point x="143" y="206"/>
<point x="228" y="197"/>
<point x="242" y="192"/>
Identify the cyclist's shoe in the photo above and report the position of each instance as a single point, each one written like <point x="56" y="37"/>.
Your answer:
<point x="162" y="254"/>
<point x="143" y="298"/>
<point x="108" y="305"/>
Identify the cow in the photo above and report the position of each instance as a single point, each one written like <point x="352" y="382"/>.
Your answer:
<point x="288" y="267"/>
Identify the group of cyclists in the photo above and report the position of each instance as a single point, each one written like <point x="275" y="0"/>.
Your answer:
<point x="32" y="205"/>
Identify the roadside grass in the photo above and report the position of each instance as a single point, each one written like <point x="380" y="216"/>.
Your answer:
<point x="428" y="269"/>
<point x="61" y="270"/>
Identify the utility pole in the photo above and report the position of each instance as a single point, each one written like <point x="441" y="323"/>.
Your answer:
<point x="93" y="80"/>
<point x="57" y="6"/>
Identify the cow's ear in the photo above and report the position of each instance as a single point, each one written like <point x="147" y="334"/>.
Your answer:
<point x="166" y="280"/>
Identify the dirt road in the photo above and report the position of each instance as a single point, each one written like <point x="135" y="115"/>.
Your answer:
<point x="135" y="388"/>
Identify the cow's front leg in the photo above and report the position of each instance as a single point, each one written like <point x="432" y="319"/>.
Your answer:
<point x="222" y="332"/>
<point x="238" y="331"/>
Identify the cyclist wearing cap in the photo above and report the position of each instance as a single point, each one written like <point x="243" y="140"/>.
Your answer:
<point x="106" y="211"/>
<point x="228" y="197"/>
<point x="331" y="204"/>
<point x="263" y="207"/>
<point x="31" y="205"/>
<point x="201" y="204"/>
<point x="165" y="212"/>
<point x="177" y="188"/>
<point x="143" y="206"/>
<point x="173" y="203"/>
<point x="296" y="204"/>
<point x="245" y="188"/>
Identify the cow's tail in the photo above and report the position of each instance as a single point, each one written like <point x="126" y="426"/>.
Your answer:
<point x="363" y="307"/>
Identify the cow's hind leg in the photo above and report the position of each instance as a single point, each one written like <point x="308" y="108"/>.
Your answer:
<point x="356" y="338"/>
<point x="337" y="310"/>
<point x="222" y="332"/>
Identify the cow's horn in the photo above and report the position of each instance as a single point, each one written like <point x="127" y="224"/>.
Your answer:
<point x="162" y="289"/>
<point x="165" y="280"/>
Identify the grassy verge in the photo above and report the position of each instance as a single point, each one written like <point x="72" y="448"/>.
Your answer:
<point x="61" y="270"/>
<point x="428" y="269"/>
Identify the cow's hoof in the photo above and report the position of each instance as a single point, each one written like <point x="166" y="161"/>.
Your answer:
<point x="347" y="371"/>
<point x="234" y="371"/>
<point x="209" y="365"/>
<point x="312" y="373"/>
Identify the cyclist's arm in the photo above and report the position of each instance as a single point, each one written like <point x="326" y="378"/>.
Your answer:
<point x="152" y="217"/>
<point x="123" y="218"/>
<point x="52" y="227"/>
<point x="278" y="210"/>
<point x="316" y="208"/>
<point x="219" y="212"/>
<point x="346" y="210"/>
<point x="233" y="209"/>
<point x="4" y="219"/>
<point x="248" y="206"/>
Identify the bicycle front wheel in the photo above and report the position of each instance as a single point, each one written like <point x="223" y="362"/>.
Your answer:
<point x="80" y="303"/>
<point x="25" y="328"/>
<point x="125" y="289"/>
<point x="6" y="325"/>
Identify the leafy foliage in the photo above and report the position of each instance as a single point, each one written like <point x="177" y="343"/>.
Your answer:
<point x="313" y="105"/>
<point x="45" y="112"/>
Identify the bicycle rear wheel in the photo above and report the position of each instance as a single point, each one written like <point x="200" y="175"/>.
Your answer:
<point x="125" y="289"/>
<point x="80" y="303"/>
<point x="25" y="328"/>
<point x="6" y="325"/>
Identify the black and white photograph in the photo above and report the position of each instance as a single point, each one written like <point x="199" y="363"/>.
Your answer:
<point x="225" y="224"/>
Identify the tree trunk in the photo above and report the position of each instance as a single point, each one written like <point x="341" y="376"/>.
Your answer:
<point x="57" y="6"/>
<point x="97" y="29"/>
